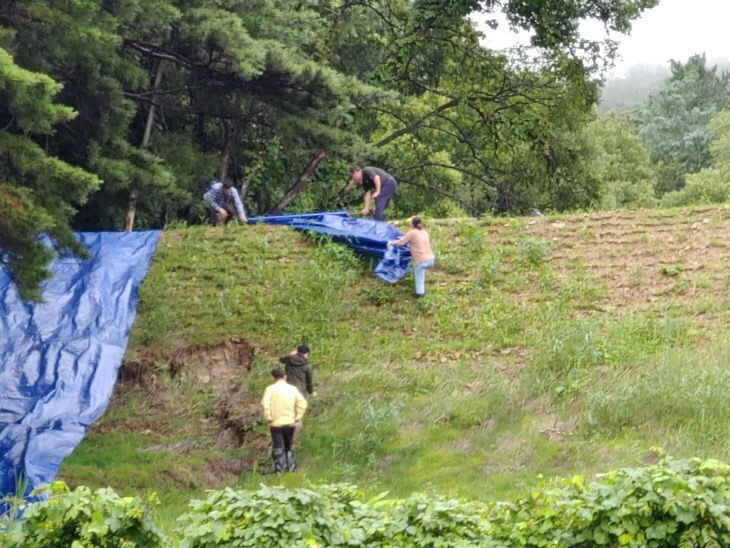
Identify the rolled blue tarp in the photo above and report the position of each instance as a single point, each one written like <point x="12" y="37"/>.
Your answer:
<point x="363" y="235"/>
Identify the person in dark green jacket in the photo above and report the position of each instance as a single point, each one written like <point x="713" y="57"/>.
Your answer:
<point x="299" y="374"/>
<point x="299" y="370"/>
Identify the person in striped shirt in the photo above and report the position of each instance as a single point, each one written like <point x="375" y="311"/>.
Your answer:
<point x="224" y="202"/>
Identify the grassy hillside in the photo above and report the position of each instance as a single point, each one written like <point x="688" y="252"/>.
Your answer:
<point x="544" y="346"/>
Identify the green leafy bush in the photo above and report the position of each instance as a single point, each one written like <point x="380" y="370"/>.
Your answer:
<point x="329" y="515"/>
<point x="709" y="186"/>
<point x="473" y="239"/>
<point x="82" y="518"/>
<point x="370" y="424"/>
<point x="673" y="503"/>
<point x="670" y="270"/>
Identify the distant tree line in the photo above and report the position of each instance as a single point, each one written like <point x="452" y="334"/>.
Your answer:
<point x="673" y="148"/>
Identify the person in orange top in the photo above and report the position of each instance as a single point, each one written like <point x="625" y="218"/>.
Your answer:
<point x="283" y="407"/>
<point x="420" y="245"/>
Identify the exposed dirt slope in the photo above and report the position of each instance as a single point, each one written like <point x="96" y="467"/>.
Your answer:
<point x="633" y="257"/>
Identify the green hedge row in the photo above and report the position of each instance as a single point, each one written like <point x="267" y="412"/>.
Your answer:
<point x="674" y="503"/>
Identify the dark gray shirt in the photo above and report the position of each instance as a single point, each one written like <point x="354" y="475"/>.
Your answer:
<point x="369" y="173"/>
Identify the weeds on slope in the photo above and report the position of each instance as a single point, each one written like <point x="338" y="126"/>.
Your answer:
<point x="539" y="349"/>
<point x="682" y="394"/>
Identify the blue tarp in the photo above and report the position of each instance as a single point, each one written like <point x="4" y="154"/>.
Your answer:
<point x="363" y="235"/>
<point x="59" y="359"/>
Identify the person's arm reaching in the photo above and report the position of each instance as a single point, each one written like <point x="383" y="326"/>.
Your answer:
<point x="366" y="207"/>
<point x="239" y="205"/>
<point x="351" y="183"/>
<point x="377" y="183"/>
<point x="403" y="240"/>
<point x="308" y="378"/>
<point x="285" y="359"/>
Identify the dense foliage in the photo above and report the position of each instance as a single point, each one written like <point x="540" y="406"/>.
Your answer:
<point x="669" y="150"/>
<point x="674" y="121"/>
<point x="84" y="519"/>
<point x="711" y="184"/>
<point x="619" y="162"/>
<point x="159" y="97"/>
<point x="674" y="503"/>
<point x="38" y="191"/>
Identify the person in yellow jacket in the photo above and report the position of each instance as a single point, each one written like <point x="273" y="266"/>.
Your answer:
<point x="284" y="406"/>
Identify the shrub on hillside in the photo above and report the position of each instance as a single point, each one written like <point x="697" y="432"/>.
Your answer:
<point x="673" y="503"/>
<point x="621" y="194"/>
<point x="82" y="518"/>
<point x="709" y="186"/>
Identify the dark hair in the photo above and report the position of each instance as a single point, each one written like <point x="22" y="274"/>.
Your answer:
<point x="227" y="183"/>
<point x="277" y="373"/>
<point x="354" y="168"/>
<point x="416" y="222"/>
<point x="303" y="349"/>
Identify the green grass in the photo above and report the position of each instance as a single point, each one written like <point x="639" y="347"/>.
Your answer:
<point x="516" y="364"/>
<point x="681" y="392"/>
<point x="134" y="467"/>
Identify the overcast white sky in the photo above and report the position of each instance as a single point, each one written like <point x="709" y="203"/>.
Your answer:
<point x="675" y="29"/>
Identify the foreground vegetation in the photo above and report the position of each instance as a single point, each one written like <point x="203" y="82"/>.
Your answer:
<point x="675" y="503"/>
<point x="555" y="346"/>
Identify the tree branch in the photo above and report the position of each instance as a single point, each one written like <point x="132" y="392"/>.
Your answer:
<point x="153" y="50"/>
<point x="301" y="181"/>
<point x="417" y="123"/>
<point x="489" y="183"/>
<point x="442" y="192"/>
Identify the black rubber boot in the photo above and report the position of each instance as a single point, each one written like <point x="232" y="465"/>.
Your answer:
<point x="279" y="460"/>
<point x="290" y="461"/>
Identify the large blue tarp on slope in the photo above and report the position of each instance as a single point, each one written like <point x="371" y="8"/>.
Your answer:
<point x="363" y="235"/>
<point x="59" y="359"/>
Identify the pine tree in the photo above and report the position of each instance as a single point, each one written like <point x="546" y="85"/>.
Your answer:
<point x="675" y="119"/>
<point x="38" y="192"/>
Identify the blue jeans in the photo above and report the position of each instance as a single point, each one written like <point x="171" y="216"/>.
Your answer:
<point x="419" y="275"/>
